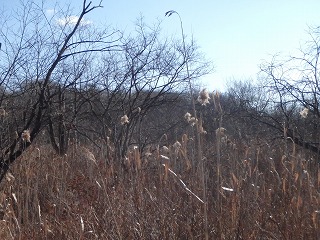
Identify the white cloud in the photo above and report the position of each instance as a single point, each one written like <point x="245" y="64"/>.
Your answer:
<point x="72" y="20"/>
<point x="50" y="12"/>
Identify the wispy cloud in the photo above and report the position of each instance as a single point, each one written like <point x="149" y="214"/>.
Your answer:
<point x="50" y="12"/>
<point x="72" y="20"/>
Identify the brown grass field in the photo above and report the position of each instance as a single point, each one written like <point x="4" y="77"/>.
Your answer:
<point x="258" y="191"/>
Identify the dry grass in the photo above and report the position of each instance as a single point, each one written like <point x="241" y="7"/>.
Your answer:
<point x="263" y="193"/>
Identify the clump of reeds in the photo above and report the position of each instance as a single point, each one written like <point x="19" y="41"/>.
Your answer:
<point x="87" y="194"/>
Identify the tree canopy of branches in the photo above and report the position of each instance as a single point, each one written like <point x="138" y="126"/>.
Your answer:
<point x="295" y="85"/>
<point x="62" y="76"/>
<point x="284" y="103"/>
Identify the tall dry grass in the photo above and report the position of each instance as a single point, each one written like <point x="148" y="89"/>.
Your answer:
<point x="257" y="191"/>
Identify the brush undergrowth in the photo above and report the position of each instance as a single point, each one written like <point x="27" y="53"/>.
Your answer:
<point x="265" y="192"/>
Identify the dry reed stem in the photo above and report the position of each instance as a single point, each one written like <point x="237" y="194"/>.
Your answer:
<point x="183" y="184"/>
<point x="62" y="191"/>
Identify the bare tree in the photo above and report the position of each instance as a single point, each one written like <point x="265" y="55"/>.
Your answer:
<point x="63" y="77"/>
<point x="149" y="74"/>
<point x="294" y="85"/>
<point x="42" y="57"/>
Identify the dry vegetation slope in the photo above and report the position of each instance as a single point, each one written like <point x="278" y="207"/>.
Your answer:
<point x="265" y="192"/>
<point x="204" y="186"/>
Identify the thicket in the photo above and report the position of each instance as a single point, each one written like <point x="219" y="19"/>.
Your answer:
<point x="105" y="136"/>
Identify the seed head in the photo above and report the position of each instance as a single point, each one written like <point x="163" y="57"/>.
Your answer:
<point x="216" y="101"/>
<point x="26" y="136"/>
<point x="148" y="154"/>
<point x="203" y="97"/>
<point x="202" y="131"/>
<point x="165" y="149"/>
<point x="220" y="132"/>
<point x="176" y="146"/>
<point x="9" y="177"/>
<point x="304" y="113"/>
<point x="187" y="116"/>
<point x="3" y="112"/>
<point x="193" y="121"/>
<point x="124" y="120"/>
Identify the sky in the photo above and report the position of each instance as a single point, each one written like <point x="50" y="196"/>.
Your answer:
<point x="236" y="35"/>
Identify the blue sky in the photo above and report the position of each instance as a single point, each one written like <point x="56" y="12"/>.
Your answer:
<point x="236" y="35"/>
